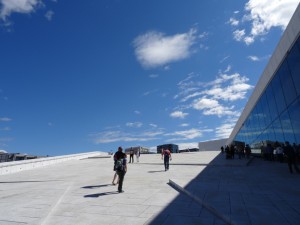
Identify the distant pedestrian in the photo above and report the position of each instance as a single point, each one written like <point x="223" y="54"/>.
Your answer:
<point x="131" y="153"/>
<point x="222" y="149"/>
<point x="291" y="157"/>
<point x="137" y="154"/>
<point x="166" y="156"/>
<point x="247" y="151"/>
<point x="121" y="167"/>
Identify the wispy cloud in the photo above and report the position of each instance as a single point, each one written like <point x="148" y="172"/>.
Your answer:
<point x="178" y="114"/>
<point x="215" y="97"/>
<point x="5" y="119"/>
<point x="262" y="16"/>
<point x="153" y="75"/>
<point x="233" y="21"/>
<point x="49" y="14"/>
<point x="18" y="6"/>
<point x="186" y="134"/>
<point x="121" y="136"/>
<point x="225" y="129"/>
<point x="155" y="49"/>
<point x="184" y="125"/>
<point x="134" y="124"/>
<point x="256" y="58"/>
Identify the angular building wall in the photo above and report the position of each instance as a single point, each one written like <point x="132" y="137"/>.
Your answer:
<point x="273" y="111"/>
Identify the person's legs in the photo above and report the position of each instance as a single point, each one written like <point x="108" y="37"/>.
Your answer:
<point x="165" y="163"/>
<point x="121" y="175"/>
<point x="115" y="176"/>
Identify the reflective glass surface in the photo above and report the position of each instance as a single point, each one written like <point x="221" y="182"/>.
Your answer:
<point x="276" y="115"/>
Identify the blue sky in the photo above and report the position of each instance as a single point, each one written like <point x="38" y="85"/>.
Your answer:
<point x="79" y="76"/>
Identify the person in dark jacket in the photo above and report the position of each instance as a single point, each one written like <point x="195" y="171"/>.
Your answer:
<point x="121" y="167"/>
<point x="291" y="157"/>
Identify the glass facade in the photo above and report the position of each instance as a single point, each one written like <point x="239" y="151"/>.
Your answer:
<point x="276" y="115"/>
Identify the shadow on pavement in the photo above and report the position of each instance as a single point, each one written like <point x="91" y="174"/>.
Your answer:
<point x="97" y="186"/>
<point x="101" y="194"/>
<point x="156" y="171"/>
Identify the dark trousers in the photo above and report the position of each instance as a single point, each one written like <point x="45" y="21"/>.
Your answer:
<point x="121" y="175"/>
<point x="131" y="157"/>
<point x="166" y="162"/>
<point x="291" y="163"/>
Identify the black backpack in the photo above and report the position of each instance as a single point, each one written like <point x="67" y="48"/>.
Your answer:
<point x="119" y="165"/>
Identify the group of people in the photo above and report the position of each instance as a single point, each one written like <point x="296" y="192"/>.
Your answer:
<point x="240" y="150"/>
<point x="280" y="152"/>
<point x="270" y="152"/>
<point x="120" y="164"/>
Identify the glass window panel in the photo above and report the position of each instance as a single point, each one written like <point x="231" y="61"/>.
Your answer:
<point x="260" y="115"/>
<point x="293" y="60"/>
<point x="271" y="134"/>
<point x="294" y="112"/>
<point x="287" y="127"/>
<point x="278" y="130"/>
<point x="271" y="103"/>
<point x="278" y="94"/>
<point x="287" y="83"/>
<point x="265" y="108"/>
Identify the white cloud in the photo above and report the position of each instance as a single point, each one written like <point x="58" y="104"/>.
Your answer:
<point x="224" y="130"/>
<point x="5" y="129"/>
<point x="215" y="97"/>
<point x="155" y="49"/>
<point x="5" y="119"/>
<point x="119" y="136"/>
<point x="137" y="112"/>
<point x="185" y="134"/>
<point x="234" y="22"/>
<point x="263" y="15"/>
<point x="253" y="58"/>
<point x="178" y="114"/>
<point x="18" y="6"/>
<point x="49" y="14"/>
<point x="153" y="125"/>
<point x="184" y="125"/>
<point x="134" y="124"/>
<point x="238" y="35"/>
<point x="153" y="75"/>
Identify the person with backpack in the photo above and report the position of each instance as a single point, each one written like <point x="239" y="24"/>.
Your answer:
<point x="121" y="167"/>
<point x="166" y="156"/>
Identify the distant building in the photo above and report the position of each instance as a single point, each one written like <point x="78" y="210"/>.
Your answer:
<point x="143" y="150"/>
<point x="213" y="145"/>
<point x="189" y="150"/>
<point x="172" y="147"/>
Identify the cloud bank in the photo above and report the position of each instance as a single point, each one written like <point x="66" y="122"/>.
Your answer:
<point x="262" y="16"/>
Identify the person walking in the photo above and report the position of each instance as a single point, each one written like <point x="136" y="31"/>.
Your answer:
<point x="291" y="157"/>
<point x="131" y="153"/>
<point x="138" y="153"/>
<point x="121" y="167"/>
<point x="166" y="156"/>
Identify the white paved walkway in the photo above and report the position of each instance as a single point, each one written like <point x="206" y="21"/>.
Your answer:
<point x="198" y="189"/>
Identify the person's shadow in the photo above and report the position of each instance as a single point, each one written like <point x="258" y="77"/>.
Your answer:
<point x="156" y="171"/>
<point x="101" y="194"/>
<point x="97" y="186"/>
